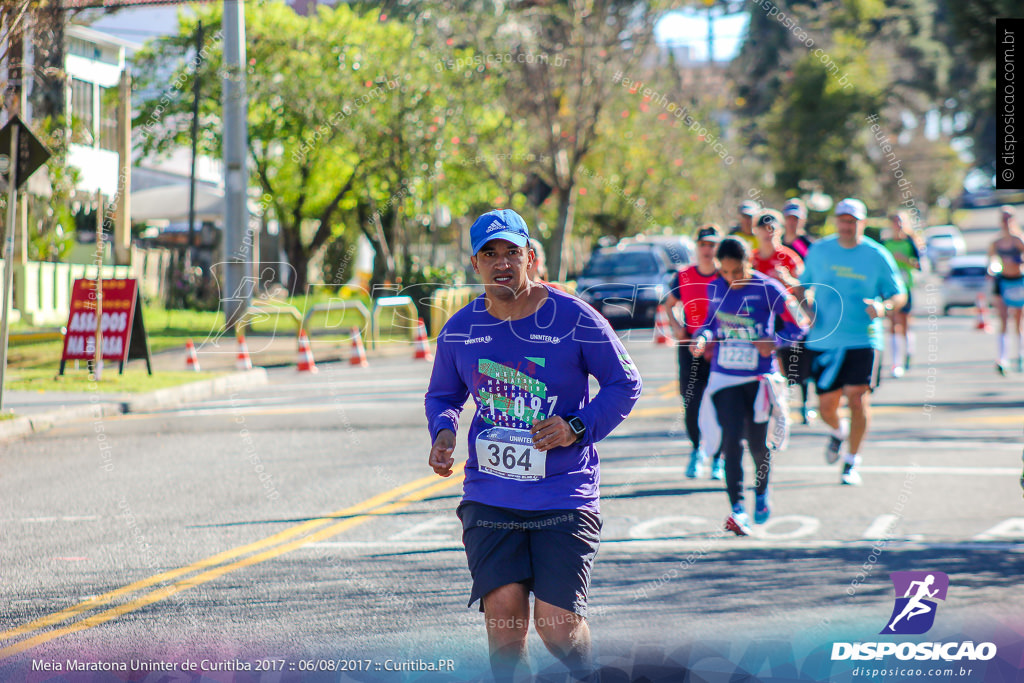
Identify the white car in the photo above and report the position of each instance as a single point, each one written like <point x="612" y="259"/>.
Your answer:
<point x="943" y="242"/>
<point x="967" y="277"/>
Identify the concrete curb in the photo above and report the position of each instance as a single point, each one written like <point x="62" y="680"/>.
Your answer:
<point x="161" y="399"/>
<point x="174" y="397"/>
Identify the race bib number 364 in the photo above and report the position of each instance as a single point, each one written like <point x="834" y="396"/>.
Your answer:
<point x="510" y="454"/>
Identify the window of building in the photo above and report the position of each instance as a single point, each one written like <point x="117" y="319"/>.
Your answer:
<point x="83" y="124"/>
<point x="108" y="119"/>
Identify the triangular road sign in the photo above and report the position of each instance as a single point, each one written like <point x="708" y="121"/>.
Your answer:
<point x="31" y="153"/>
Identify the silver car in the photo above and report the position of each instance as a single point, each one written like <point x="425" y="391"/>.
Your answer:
<point x="967" y="277"/>
<point x="943" y="242"/>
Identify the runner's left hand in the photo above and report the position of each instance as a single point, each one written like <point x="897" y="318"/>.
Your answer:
<point x="551" y="433"/>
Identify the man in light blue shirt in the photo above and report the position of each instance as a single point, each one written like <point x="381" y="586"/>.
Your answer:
<point x="854" y="282"/>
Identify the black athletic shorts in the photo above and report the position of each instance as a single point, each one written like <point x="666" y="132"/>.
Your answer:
<point x="551" y="552"/>
<point x="861" y="367"/>
<point x="907" y="307"/>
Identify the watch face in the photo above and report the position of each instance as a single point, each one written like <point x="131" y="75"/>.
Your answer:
<point x="576" y="425"/>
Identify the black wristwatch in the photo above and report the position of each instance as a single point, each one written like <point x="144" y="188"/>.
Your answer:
<point x="578" y="428"/>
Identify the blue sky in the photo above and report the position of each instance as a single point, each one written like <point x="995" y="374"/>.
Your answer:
<point x="691" y="29"/>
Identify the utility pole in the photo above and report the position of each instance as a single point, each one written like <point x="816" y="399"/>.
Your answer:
<point x="123" y="221"/>
<point x="237" y="253"/>
<point x="190" y="255"/>
<point x="711" y="35"/>
<point x="8" y="277"/>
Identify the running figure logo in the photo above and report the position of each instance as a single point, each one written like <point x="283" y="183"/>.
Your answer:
<point x="914" y="612"/>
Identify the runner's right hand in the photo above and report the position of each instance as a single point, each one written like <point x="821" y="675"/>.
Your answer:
<point x="697" y="346"/>
<point x="441" y="453"/>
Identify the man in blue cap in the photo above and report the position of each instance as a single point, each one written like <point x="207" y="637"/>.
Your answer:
<point x="530" y="512"/>
<point x="855" y="282"/>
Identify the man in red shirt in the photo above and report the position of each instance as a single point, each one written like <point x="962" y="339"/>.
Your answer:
<point x="687" y="305"/>
<point x="770" y="257"/>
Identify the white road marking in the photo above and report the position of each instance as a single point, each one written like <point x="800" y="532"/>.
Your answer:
<point x="647" y="529"/>
<point x="805" y="526"/>
<point x="714" y="542"/>
<point x="866" y="469"/>
<point x="50" y="520"/>
<point x="881" y="528"/>
<point x="288" y="407"/>
<point x="1012" y="528"/>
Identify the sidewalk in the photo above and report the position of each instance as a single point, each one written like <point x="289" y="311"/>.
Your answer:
<point x="268" y="351"/>
<point x="40" y="410"/>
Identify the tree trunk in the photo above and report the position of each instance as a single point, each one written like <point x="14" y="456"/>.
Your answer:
<point x="298" y="258"/>
<point x="563" y="230"/>
<point x="47" y="94"/>
<point x="375" y="229"/>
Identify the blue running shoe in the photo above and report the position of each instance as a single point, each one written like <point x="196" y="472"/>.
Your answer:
<point x="697" y="458"/>
<point x="762" y="508"/>
<point x="718" y="469"/>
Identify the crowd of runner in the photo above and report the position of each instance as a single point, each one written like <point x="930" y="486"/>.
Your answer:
<point x="761" y="308"/>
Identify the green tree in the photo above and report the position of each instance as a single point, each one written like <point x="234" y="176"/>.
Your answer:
<point x="661" y="160"/>
<point x="558" y="60"/>
<point x="327" y="97"/>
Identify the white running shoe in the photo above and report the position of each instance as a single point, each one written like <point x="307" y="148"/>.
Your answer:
<point x="850" y="476"/>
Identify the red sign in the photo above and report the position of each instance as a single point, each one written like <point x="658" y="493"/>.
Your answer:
<point x="118" y="314"/>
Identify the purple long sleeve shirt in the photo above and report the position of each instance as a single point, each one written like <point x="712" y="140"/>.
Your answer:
<point x="738" y="317"/>
<point x="523" y="371"/>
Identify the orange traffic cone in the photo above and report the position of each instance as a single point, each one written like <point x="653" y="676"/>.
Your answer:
<point x="662" y="332"/>
<point x="306" y="362"/>
<point x="243" y="362"/>
<point x="421" y="344"/>
<point x="981" y="325"/>
<point x="191" y="359"/>
<point x="358" y="351"/>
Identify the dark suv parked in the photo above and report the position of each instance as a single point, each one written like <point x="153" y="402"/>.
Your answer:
<point x="626" y="283"/>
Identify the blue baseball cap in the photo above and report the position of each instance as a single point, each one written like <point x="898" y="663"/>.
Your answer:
<point x="501" y="224"/>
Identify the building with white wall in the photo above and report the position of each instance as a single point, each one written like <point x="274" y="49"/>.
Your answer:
<point x="94" y="63"/>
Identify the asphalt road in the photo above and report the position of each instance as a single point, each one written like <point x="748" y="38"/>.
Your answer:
<point x="232" y="531"/>
<point x="297" y="528"/>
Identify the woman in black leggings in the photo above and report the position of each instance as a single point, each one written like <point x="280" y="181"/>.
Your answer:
<point x="744" y="306"/>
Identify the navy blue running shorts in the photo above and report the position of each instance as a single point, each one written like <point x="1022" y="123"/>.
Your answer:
<point x="551" y="552"/>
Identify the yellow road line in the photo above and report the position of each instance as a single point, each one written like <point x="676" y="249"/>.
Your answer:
<point x="165" y="592"/>
<point x="667" y="389"/>
<point x="214" y="560"/>
<point x="669" y="411"/>
<point x="655" y="412"/>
